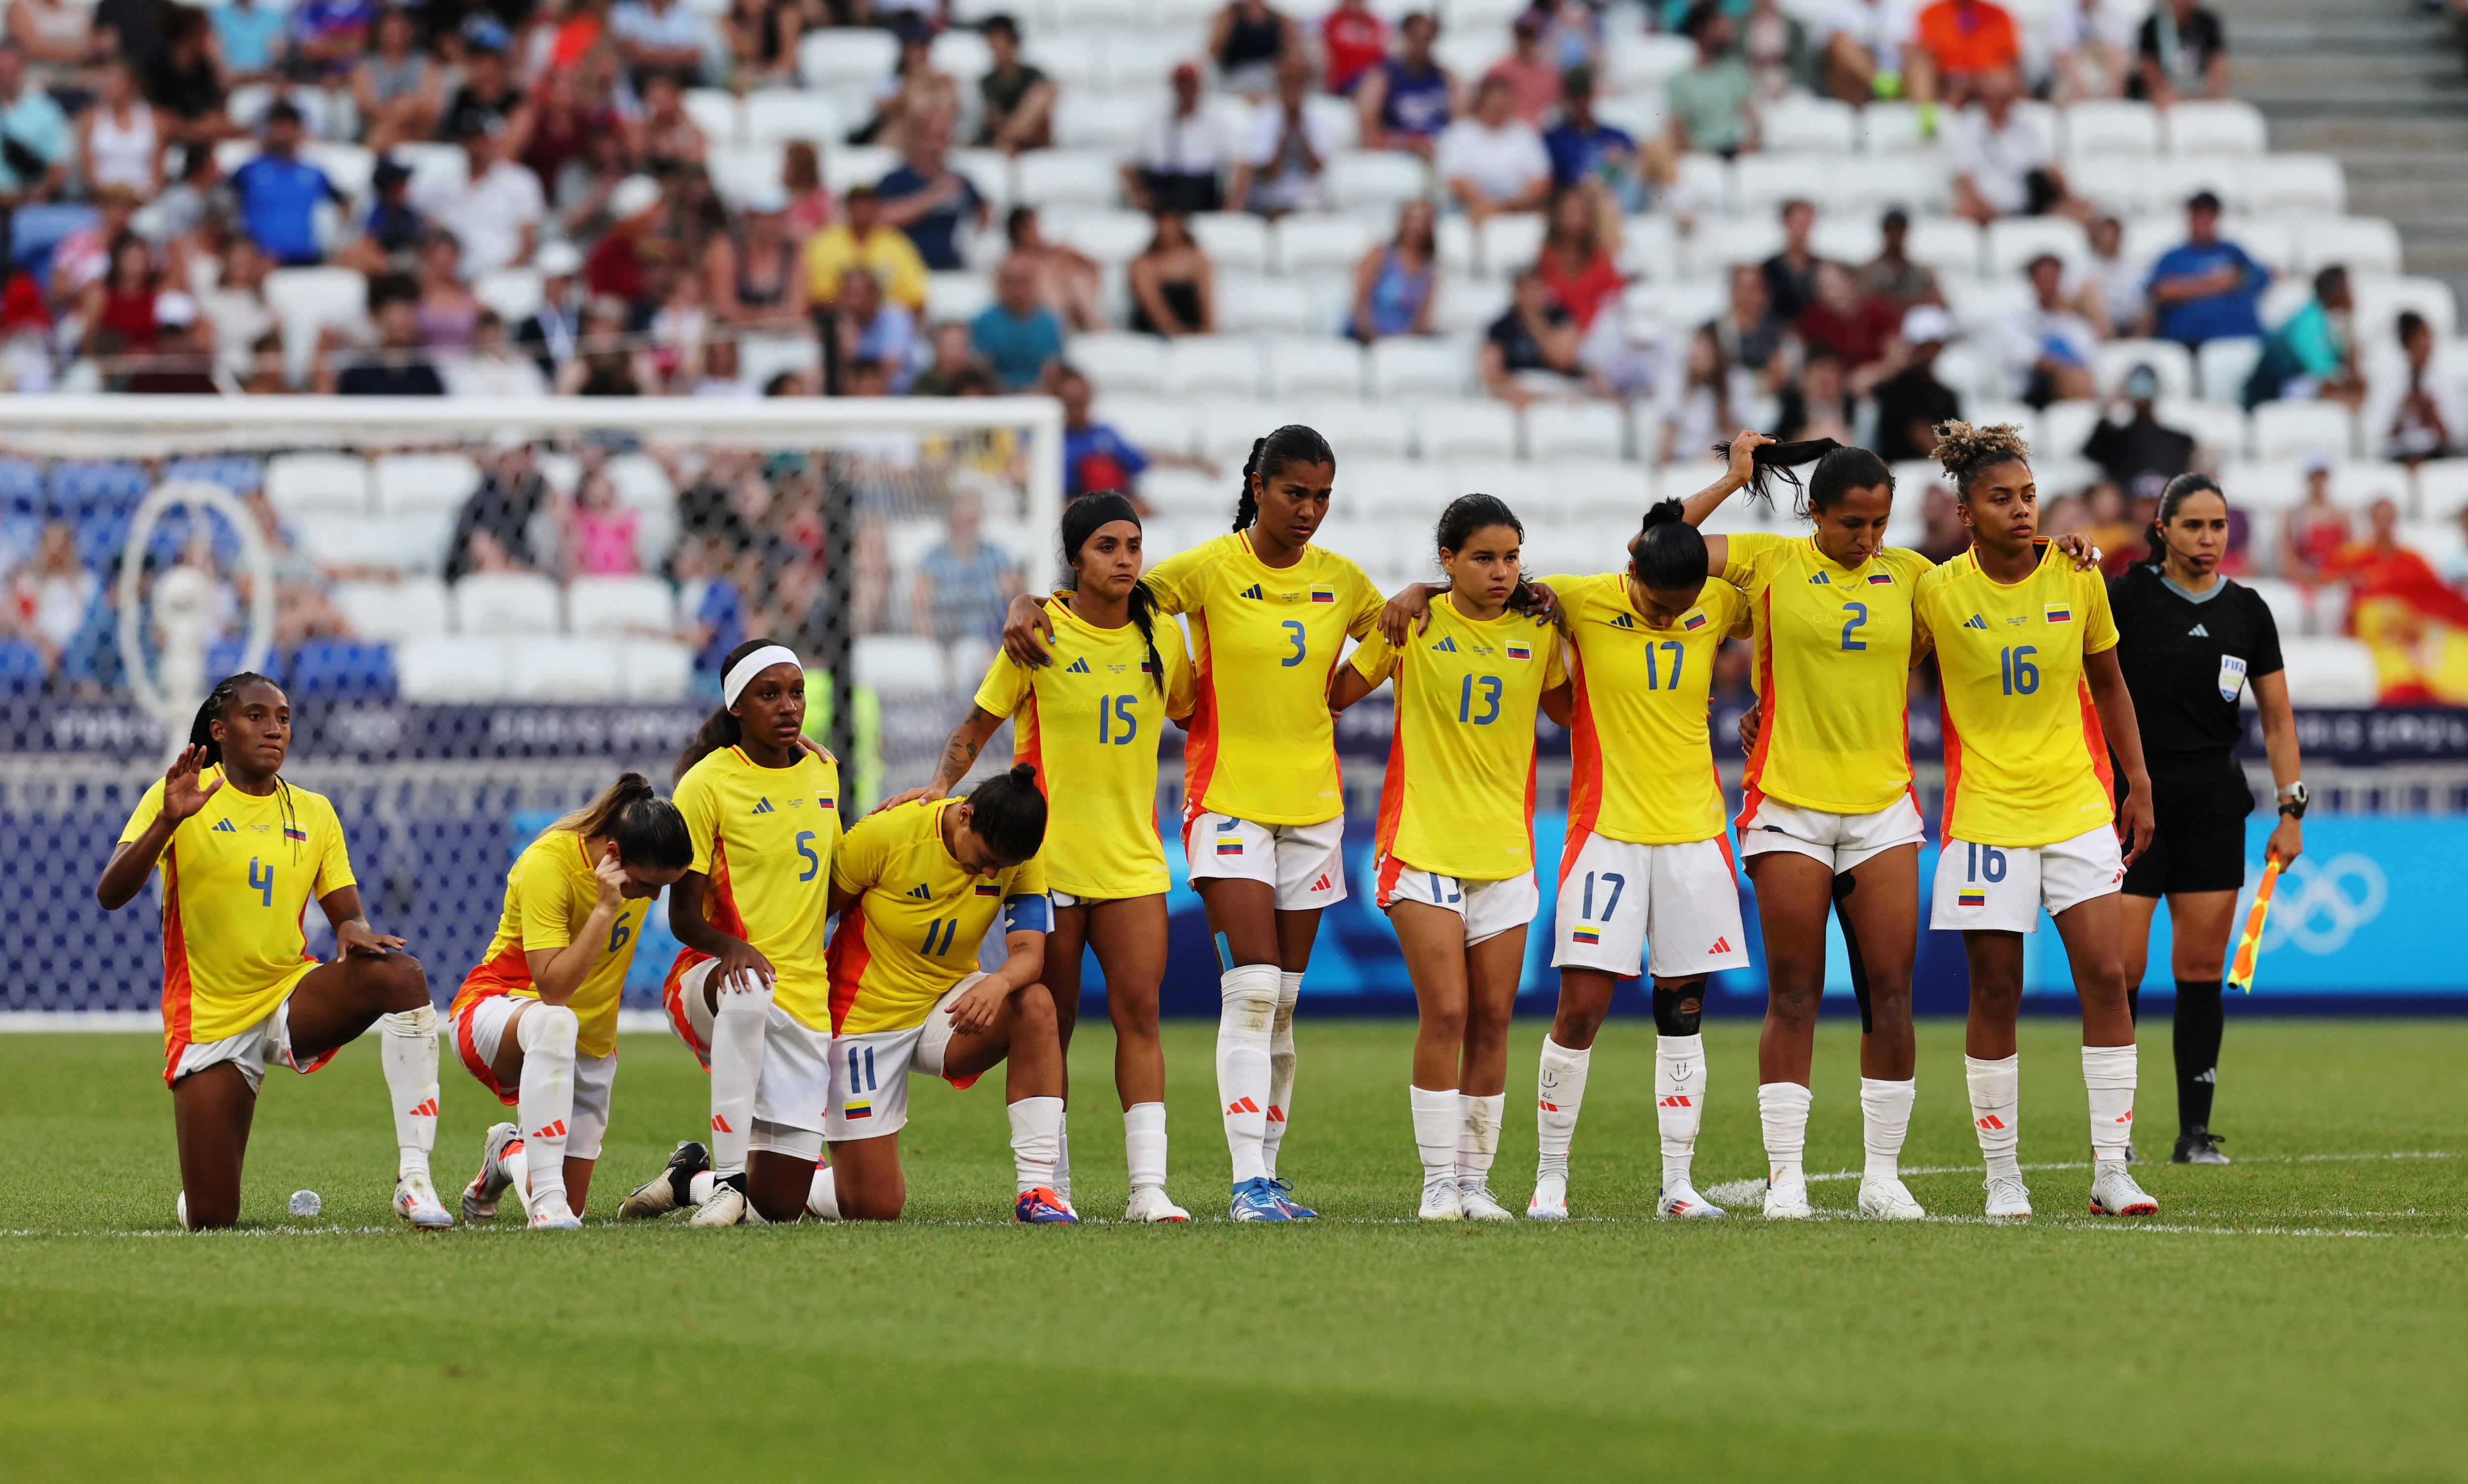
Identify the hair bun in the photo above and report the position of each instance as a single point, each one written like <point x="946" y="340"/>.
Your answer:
<point x="1023" y="773"/>
<point x="1661" y="513"/>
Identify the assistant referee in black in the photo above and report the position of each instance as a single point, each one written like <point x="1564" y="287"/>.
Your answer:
<point x="2190" y="641"/>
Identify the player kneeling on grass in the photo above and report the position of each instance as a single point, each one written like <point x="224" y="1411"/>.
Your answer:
<point x="241" y="852"/>
<point x="536" y="1021"/>
<point x="915" y="888"/>
<point x="2033" y="701"/>
<point x="1454" y="846"/>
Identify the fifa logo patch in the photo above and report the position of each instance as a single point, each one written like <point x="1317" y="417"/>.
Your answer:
<point x="2058" y="612"/>
<point x="1517" y="650"/>
<point x="1971" y="896"/>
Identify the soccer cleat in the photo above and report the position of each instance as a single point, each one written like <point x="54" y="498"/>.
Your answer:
<point x="1043" y="1207"/>
<point x="1296" y="1210"/>
<point x="1886" y="1198"/>
<point x="2009" y="1200"/>
<point x="668" y="1190"/>
<point x="552" y="1216"/>
<point x="2199" y="1147"/>
<point x="1442" y="1201"/>
<point x="480" y="1198"/>
<point x="1149" y="1203"/>
<point x="415" y="1200"/>
<point x="1550" y="1202"/>
<point x="726" y="1207"/>
<point x="2114" y="1193"/>
<point x="1682" y="1201"/>
<point x="1476" y="1199"/>
<point x="1787" y="1199"/>
<point x="1256" y="1200"/>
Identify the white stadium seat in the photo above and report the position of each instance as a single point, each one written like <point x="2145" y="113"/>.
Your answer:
<point x="2329" y="671"/>
<point x="2013" y="241"/>
<point x="1600" y="488"/>
<point x="1307" y="242"/>
<point x="2222" y="428"/>
<point x="1386" y="488"/>
<point x="1117" y="361"/>
<point x="2200" y="126"/>
<point x="963" y="54"/>
<point x="1250" y="304"/>
<point x="641" y="483"/>
<point x="1235" y="242"/>
<point x="1188" y="491"/>
<point x="2224" y="366"/>
<point x="849" y="166"/>
<point x="2441" y="489"/>
<point x="1916" y="183"/>
<point x="1792" y="124"/>
<point x="718" y="113"/>
<point x="506" y="602"/>
<point x="302" y="484"/>
<point x="1762" y="183"/>
<point x="2111" y="128"/>
<point x="1068" y="177"/>
<point x="1652" y="312"/>
<point x="1403" y="366"/>
<point x="2361" y="244"/>
<point x="1314" y="366"/>
<point x="1375" y="178"/>
<point x="1202" y="365"/>
<point x="407" y="483"/>
<point x="1486" y="429"/>
<point x="2300" y="184"/>
<point x="653" y="670"/>
<point x="1469" y="305"/>
<point x="2291" y="431"/>
<point x="1111" y="237"/>
<point x="640" y="605"/>
<point x="512" y="295"/>
<point x="1650" y="245"/>
<point x="775" y="116"/>
<point x="1102" y="120"/>
<point x="957" y="296"/>
<point x="415" y="607"/>
<point x="846" y="57"/>
<point x="1646" y="60"/>
<point x="1720" y="242"/>
<point x="2358" y="483"/>
<point x="557" y="667"/>
<point x="1558" y="431"/>
<point x="1948" y="245"/>
<point x="901" y="664"/>
<point x="1508" y="243"/>
<point x="2171" y="360"/>
<point x="1362" y="428"/>
<point x="1156" y="424"/>
<point x="451" y="668"/>
<point x="2262" y="486"/>
<point x="1892" y="129"/>
<point x="306" y="300"/>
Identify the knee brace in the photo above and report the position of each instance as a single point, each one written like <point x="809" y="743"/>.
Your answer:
<point x="1670" y="1019"/>
<point x="548" y="1030"/>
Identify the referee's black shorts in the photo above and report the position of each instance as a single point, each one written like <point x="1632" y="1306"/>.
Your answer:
<point x="2200" y="805"/>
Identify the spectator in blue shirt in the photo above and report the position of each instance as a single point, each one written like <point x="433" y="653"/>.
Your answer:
<point x="35" y="137"/>
<point x="251" y="38"/>
<point x="1583" y="147"/>
<point x="279" y="192"/>
<point x="1017" y="336"/>
<point x="927" y="198"/>
<point x="329" y="35"/>
<point x="1094" y="456"/>
<point x="2208" y="289"/>
<point x="963" y="584"/>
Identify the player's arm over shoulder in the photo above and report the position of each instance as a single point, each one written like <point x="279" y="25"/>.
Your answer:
<point x="1744" y="552"/>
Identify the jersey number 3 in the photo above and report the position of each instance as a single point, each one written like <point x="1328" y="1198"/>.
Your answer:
<point x="1293" y="627"/>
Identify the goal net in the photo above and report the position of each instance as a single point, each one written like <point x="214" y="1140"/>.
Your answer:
<point x="482" y="612"/>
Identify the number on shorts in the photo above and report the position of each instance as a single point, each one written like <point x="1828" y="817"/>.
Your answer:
<point x="947" y="927"/>
<point x="813" y="862"/>
<point x="1293" y="627"/>
<point x="262" y="886"/>
<point x="1610" y="906"/>
<point x="1490" y="686"/>
<point x="1437" y="898"/>
<point x="860" y="1080"/>
<point x="2015" y="669"/>
<point x="1859" y="619"/>
<point x="1985" y="861"/>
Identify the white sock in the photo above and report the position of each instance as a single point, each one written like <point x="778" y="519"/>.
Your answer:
<point x="1281" y="1069"/>
<point x="1559" y="1090"/>
<point x="409" y="1053"/>
<point x="546" y="1034"/>
<point x="1062" y="1157"/>
<point x="515" y="1161"/>
<point x="1885" y="1119"/>
<point x="736" y="1029"/>
<point x="823" y="1198"/>
<point x="1997" y="1111"/>
<point x="1479" y="1134"/>
<point x="1144" y="1144"/>
<point x="1249" y="995"/>
<point x="698" y="1189"/>
<point x="1035" y="1137"/>
<point x="1679" y="1102"/>
<point x="2108" y="1076"/>
<point x="1782" y="1106"/>
<point x="1437" y="1120"/>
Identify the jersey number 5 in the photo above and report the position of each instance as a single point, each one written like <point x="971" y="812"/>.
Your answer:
<point x="813" y="862"/>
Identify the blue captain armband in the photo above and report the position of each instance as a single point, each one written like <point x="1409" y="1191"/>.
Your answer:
<point x="1030" y="912"/>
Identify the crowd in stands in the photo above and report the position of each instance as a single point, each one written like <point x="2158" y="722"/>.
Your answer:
<point x="1629" y="227"/>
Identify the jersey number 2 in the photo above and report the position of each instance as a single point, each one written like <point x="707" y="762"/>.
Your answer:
<point x="1859" y="619"/>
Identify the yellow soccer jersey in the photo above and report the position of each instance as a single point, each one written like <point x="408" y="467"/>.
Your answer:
<point x="1459" y="796"/>
<point x="2026" y="761"/>
<point x="549" y="896"/>
<point x="1643" y="767"/>
<point x="237" y="877"/>
<point x="766" y="836"/>
<point x="1094" y="719"/>
<point x="913" y="931"/>
<point x="1265" y="642"/>
<point x="1834" y="654"/>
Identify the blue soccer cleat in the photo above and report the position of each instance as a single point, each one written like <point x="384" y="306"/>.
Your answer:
<point x="1296" y="1210"/>
<point x="1043" y="1207"/>
<point x="1257" y="1201"/>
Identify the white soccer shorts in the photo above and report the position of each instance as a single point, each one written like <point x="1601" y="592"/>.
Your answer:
<point x="2001" y="888"/>
<point x="268" y="1040"/>
<point x="480" y="1033"/>
<point x="1489" y="908"/>
<point x="867" y="1096"/>
<point x="1617" y="897"/>
<point x="1843" y="842"/>
<point x="1306" y="863"/>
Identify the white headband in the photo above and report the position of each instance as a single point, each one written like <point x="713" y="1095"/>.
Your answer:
<point x="733" y="684"/>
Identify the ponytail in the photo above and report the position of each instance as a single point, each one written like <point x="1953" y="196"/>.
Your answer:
<point x="1080" y="519"/>
<point x="1779" y="461"/>
<point x="1291" y="443"/>
<point x="646" y="829"/>
<point x="722" y="728"/>
<point x="1007" y="812"/>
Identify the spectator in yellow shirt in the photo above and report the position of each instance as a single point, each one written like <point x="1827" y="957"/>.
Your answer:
<point x="863" y="240"/>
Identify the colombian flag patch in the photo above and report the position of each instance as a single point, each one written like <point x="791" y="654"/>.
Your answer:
<point x="1519" y="650"/>
<point x="1973" y="897"/>
<point x="2058" y="612"/>
<point x="989" y="889"/>
<point x="1586" y="935"/>
<point x="864" y="1110"/>
<point x="1229" y="847"/>
<point x="1695" y="619"/>
<point x="1881" y="579"/>
<point x="1322" y="592"/>
<point x="292" y="831"/>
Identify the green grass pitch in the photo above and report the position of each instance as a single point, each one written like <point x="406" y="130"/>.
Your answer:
<point x="2303" y="1314"/>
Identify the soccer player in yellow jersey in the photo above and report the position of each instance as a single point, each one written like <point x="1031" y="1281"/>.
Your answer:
<point x="241" y="852"/>
<point x="1263" y="819"/>
<point x="1094" y="717"/>
<point x="536" y="1020"/>
<point x="916" y="888"/>
<point x="2034" y="700"/>
<point x="749" y="991"/>
<point x="1455" y="848"/>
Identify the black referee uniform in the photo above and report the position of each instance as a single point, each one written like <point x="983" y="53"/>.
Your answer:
<point x="2186" y="659"/>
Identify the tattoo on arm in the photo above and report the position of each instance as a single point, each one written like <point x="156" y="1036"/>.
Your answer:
<point x="958" y="755"/>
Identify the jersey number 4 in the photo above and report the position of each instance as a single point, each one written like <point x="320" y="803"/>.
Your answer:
<point x="260" y="883"/>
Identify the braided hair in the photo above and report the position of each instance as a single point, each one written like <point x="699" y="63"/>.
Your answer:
<point x="1966" y="452"/>
<point x="1291" y="443"/>
<point x="1080" y="519"/>
<point x="202" y="735"/>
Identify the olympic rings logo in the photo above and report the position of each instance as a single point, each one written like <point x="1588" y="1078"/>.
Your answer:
<point x="2318" y="908"/>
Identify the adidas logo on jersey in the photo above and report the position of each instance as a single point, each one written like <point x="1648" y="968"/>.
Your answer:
<point x="1821" y="580"/>
<point x="1079" y="667"/>
<point x="763" y="806"/>
<point x="1975" y="621"/>
<point x="920" y="892"/>
<point x="1446" y="646"/>
<point x="2198" y="631"/>
<point x="1623" y="622"/>
<point x="224" y="827"/>
<point x="1253" y="591"/>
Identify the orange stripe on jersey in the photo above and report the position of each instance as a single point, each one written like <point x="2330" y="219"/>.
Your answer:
<point x="1028" y="738"/>
<point x="847" y="958"/>
<point x="1953" y="769"/>
<point x="2095" y="742"/>
<point x="1751" y="793"/>
<point x="1200" y="734"/>
<point x="1586" y="777"/>
<point x="177" y="988"/>
<point x="511" y="969"/>
<point x="1392" y="792"/>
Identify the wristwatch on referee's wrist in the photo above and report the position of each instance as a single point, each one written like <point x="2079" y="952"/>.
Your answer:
<point x="2293" y="800"/>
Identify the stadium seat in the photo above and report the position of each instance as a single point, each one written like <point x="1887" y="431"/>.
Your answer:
<point x="1846" y="237"/>
<point x="1643" y="62"/>
<point x="514" y="295"/>
<point x="306" y="300"/>
<point x="1485" y="429"/>
<point x="1508" y="243"/>
<point x="775" y="116"/>
<point x="2290" y="609"/>
<point x="557" y="667"/>
<point x="1454" y="236"/>
<point x="436" y="166"/>
<point x="1650" y="311"/>
<point x="1985" y="305"/>
<point x="901" y="664"/>
<point x="1112" y="238"/>
<point x="2262" y="487"/>
<point x="1074" y="62"/>
<point x="2361" y="244"/>
<point x="1885" y="129"/>
<point x="451" y="668"/>
<point x="1155" y="424"/>
<point x="1794" y="124"/>
<point x="2225" y="365"/>
<point x="301" y="484"/>
<point x="718" y="113"/>
<point x="332" y="669"/>
<point x="2201" y="126"/>
<point x="637" y="605"/>
<point x="1387" y="488"/>
<point x="1871" y="183"/>
<point x="1565" y="430"/>
<point x="641" y="483"/>
<point x="2013" y="241"/>
<point x="2324" y="670"/>
<point x="1111" y="122"/>
<point x="2174" y="363"/>
<point x="740" y="172"/>
<point x="1599" y="488"/>
<point x="2381" y="298"/>
<point x="1119" y="362"/>
<point x="1650" y="245"/>
<point x="959" y="297"/>
<point x="1204" y="364"/>
<point x="1948" y="245"/>
<point x="1249" y="303"/>
<point x="1469" y="305"/>
<point x="846" y="57"/>
<point x="410" y="608"/>
<point x="2219" y="426"/>
<point x="1523" y="486"/>
<point x="2111" y="128"/>
<point x="2358" y="483"/>
<point x="1362" y="428"/>
<point x="2441" y="489"/>
<point x="1228" y="425"/>
<point x="506" y="602"/>
<point x="1068" y="177"/>
<point x="2300" y="185"/>
<point x="1133" y="60"/>
<point x="2289" y="430"/>
<point x="406" y="483"/>
<point x="1409" y="366"/>
<point x="963" y="54"/>
<point x="21" y="668"/>
<point x="1188" y="491"/>
<point x="1377" y="547"/>
<point x="849" y="166"/>
<point x="1303" y="243"/>
<point x="1235" y="242"/>
<point x="655" y="670"/>
<point x="1720" y="242"/>
<point x="1763" y="182"/>
<point x="1375" y="178"/>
